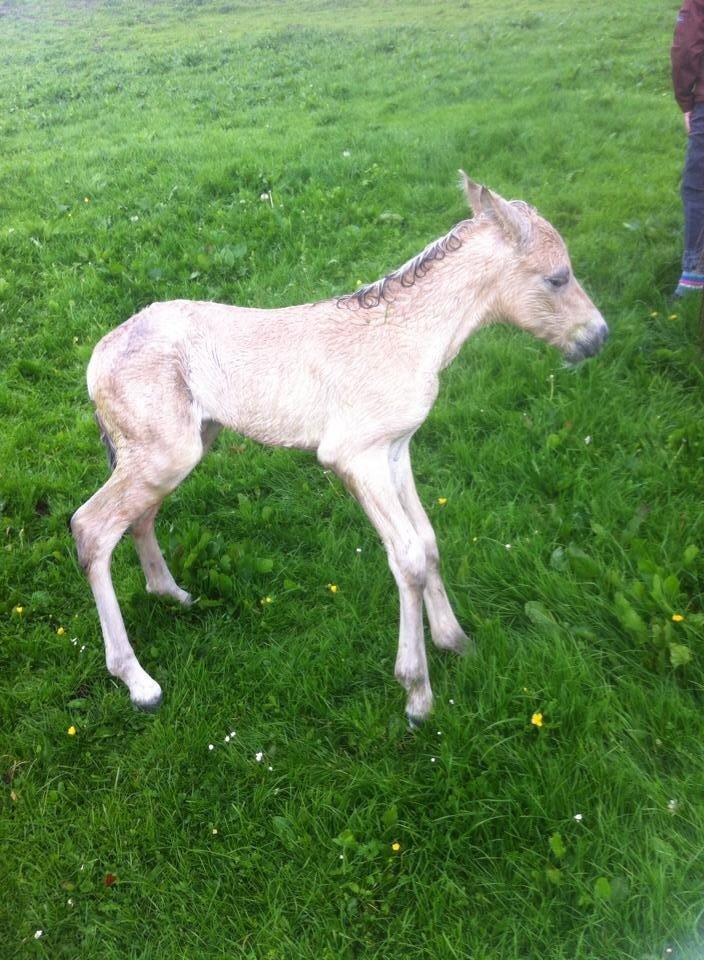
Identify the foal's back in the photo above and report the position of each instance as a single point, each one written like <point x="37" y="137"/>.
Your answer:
<point x="284" y="377"/>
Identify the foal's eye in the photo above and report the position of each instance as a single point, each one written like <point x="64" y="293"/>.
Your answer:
<point x="557" y="280"/>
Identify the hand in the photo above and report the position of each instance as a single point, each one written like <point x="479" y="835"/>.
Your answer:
<point x="688" y="122"/>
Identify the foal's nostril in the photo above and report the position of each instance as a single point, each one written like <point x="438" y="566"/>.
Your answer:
<point x="589" y="342"/>
<point x="595" y="339"/>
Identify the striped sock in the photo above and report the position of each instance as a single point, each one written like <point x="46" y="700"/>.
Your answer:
<point x="688" y="282"/>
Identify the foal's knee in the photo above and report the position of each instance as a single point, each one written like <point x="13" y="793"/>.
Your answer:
<point x="432" y="554"/>
<point x="143" y="524"/>
<point x="409" y="564"/>
<point x="96" y="536"/>
<point x="84" y="538"/>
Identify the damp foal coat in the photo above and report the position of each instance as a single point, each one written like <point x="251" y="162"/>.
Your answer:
<point x="350" y="379"/>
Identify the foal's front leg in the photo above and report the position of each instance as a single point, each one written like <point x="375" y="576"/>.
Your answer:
<point x="445" y="629"/>
<point x="368" y="477"/>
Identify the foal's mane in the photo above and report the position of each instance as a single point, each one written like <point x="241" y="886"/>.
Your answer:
<point x="372" y="294"/>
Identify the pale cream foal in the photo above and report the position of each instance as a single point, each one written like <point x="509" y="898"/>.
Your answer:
<point x="351" y="379"/>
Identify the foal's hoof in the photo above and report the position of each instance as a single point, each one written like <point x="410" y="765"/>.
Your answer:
<point x="457" y="642"/>
<point x="414" y="722"/>
<point x="148" y="706"/>
<point x="418" y="706"/>
<point x="148" y="699"/>
<point x="171" y="593"/>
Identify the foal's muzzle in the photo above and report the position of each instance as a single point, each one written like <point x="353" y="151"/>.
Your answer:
<point x="589" y="342"/>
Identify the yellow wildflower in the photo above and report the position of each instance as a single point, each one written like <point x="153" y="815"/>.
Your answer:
<point x="333" y="587"/>
<point x="537" y="719"/>
<point x="71" y="731"/>
<point x="673" y="316"/>
<point x="19" y="611"/>
<point x="396" y="846"/>
<point x="677" y="617"/>
<point x="442" y="501"/>
<point x="60" y="632"/>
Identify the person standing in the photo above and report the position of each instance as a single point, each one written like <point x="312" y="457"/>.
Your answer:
<point x="688" y="82"/>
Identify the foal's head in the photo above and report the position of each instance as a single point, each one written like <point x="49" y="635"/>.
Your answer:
<point x="538" y="291"/>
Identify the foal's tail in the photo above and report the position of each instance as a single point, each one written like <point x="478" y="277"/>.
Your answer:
<point x="109" y="445"/>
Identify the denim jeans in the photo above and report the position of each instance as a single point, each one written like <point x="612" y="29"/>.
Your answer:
<point x="693" y="194"/>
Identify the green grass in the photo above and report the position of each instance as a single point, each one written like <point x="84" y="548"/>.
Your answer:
<point x="136" y="142"/>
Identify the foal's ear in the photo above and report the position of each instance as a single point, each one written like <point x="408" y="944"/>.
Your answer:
<point x="506" y="215"/>
<point x="472" y="192"/>
<point x="509" y="216"/>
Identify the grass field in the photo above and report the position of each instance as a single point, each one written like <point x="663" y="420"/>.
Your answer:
<point x="137" y="142"/>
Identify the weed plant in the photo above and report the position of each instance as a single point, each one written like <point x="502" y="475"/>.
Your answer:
<point x="276" y="806"/>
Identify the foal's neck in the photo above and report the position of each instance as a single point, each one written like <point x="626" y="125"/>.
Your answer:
<point x="458" y="296"/>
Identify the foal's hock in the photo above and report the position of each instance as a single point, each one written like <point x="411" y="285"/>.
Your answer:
<point x="351" y="379"/>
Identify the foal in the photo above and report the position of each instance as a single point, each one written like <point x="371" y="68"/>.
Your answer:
<point x="350" y="379"/>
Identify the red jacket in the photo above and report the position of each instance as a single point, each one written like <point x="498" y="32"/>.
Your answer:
<point x="686" y="55"/>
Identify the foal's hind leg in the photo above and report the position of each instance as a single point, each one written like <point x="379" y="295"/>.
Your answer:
<point x="141" y="480"/>
<point x="158" y="576"/>
<point x="97" y="527"/>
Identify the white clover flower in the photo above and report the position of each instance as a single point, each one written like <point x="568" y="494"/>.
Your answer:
<point x="211" y="746"/>
<point x="577" y="817"/>
<point x="259" y="756"/>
